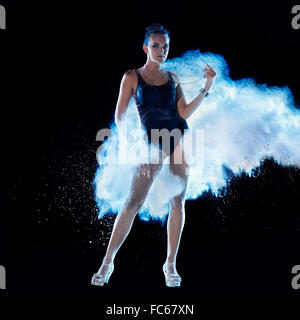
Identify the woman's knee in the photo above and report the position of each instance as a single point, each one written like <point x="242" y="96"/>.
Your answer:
<point x="133" y="205"/>
<point x="177" y="203"/>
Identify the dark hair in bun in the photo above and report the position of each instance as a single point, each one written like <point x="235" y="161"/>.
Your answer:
<point x="155" y="28"/>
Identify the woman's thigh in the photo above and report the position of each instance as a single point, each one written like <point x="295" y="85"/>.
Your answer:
<point x="179" y="167"/>
<point x="141" y="184"/>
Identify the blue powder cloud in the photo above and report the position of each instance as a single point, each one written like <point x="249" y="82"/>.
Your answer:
<point x="240" y="123"/>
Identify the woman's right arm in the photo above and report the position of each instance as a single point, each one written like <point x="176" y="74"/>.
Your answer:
<point x="125" y="94"/>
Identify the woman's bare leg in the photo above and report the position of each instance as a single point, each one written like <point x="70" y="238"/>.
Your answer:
<point x="176" y="216"/>
<point x="139" y="189"/>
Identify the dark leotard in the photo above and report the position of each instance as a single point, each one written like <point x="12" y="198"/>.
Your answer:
<point x="157" y="108"/>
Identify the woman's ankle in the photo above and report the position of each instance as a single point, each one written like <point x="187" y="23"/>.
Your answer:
<point x="170" y="261"/>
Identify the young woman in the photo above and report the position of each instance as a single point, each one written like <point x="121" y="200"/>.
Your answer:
<point x="161" y="104"/>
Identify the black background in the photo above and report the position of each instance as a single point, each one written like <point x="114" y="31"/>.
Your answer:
<point x="61" y="69"/>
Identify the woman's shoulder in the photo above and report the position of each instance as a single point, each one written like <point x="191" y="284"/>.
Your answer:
<point x="175" y="77"/>
<point x="130" y="75"/>
<point x="130" y="72"/>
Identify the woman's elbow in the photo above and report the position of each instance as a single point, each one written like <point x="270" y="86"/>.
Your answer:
<point x="182" y="114"/>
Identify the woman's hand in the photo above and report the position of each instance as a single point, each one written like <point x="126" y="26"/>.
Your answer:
<point x="145" y="169"/>
<point x="210" y="76"/>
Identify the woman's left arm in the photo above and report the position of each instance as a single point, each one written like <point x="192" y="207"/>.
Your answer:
<point x="185" y="110"/>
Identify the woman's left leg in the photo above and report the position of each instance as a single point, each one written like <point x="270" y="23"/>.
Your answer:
<point x="176" y="218"/>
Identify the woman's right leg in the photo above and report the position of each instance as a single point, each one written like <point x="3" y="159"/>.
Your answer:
<point x="140" y="186"/>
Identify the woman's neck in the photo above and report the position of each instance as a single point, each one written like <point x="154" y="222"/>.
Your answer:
<point x="152" y="67"/>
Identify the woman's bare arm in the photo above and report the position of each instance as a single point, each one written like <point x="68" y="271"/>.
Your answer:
<point x="185" y="109"/>
<point x="125" y="94"/>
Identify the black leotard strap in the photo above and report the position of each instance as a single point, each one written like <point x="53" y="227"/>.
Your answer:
<point x="170" y="76"/>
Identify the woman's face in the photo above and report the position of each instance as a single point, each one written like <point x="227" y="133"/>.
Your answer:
<point x="158" y="47"/>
